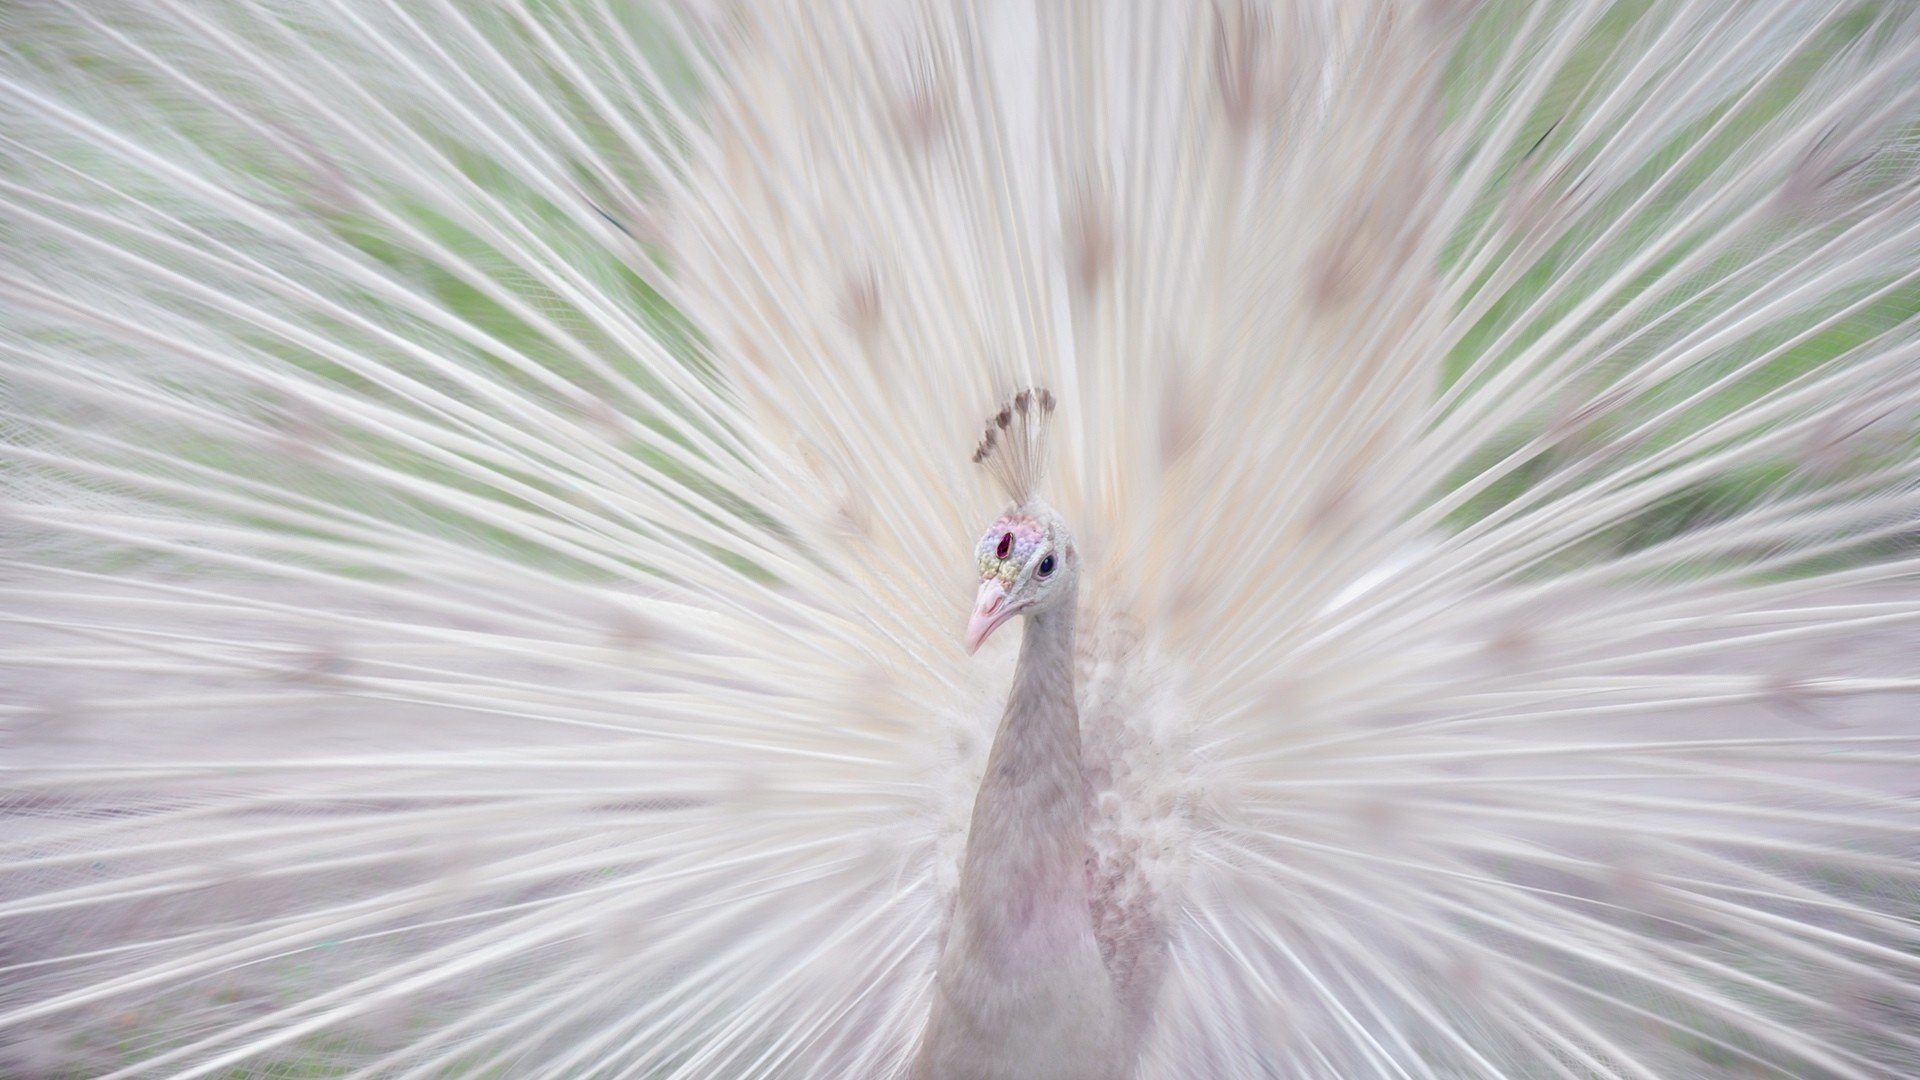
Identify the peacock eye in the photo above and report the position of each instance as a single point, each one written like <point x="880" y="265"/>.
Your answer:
<point x="1006" y="546"/>
<point x="1046" y="565"/>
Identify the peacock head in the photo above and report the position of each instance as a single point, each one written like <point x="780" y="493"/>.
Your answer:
<point x="1027" y="564"/>
<point x="1027" y="561"/>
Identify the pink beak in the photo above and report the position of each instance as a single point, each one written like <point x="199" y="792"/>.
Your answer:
<point x="989" y="611"/>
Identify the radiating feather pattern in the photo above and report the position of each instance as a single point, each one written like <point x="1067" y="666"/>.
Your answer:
<point x="488" y="523"/>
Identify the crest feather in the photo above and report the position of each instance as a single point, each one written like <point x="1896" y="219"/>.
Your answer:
<point x="1014" y="448"/>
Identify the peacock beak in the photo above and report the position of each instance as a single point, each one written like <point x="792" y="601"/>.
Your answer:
<point x="989" y="611"/>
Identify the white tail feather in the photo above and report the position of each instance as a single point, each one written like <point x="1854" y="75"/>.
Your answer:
<point x="484" y="536"/>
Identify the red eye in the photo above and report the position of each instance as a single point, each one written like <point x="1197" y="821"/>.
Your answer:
<point x="1006" y="546"/>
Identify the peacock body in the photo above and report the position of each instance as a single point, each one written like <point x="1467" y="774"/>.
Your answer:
<point x="488" y="505"/>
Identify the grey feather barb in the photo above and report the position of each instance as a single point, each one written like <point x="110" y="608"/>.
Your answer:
<point x="1013" y="447"/>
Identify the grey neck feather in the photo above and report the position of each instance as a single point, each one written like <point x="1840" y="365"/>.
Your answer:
<point x="1021" y="981"/>
<point x="1033" y="771"/>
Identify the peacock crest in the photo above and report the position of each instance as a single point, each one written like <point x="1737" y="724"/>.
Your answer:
<point x="1013" y="447"/>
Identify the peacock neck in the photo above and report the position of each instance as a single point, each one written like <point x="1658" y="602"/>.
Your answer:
<point x="1039" y="735"/>
<point x="1030" y="813"/>
<point x="1022" y="990"/>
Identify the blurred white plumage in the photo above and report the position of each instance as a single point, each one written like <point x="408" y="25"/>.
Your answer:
<point x="487" y="527"/>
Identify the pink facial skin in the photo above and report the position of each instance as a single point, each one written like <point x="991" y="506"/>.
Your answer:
<point x="1003" y="551"/>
